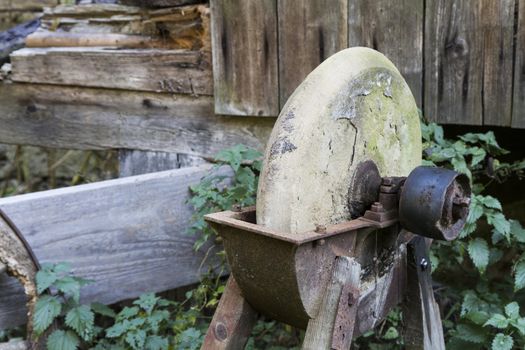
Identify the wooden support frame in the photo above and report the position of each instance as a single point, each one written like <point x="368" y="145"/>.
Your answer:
<point x="110" y="231"/>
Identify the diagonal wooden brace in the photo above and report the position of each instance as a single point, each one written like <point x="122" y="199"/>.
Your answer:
<point x="334" y="325"/>
<point x="232" y="322"/>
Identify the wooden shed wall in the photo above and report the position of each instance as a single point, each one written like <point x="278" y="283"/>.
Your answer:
<point x="463" y="59"/>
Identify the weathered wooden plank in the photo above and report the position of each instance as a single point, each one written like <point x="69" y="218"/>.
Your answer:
<point x="128" y="235"/>
<point x="518" y="101"/>
<point x="83" y="118"/>
<point x="320" y="330"/>
<point x="309" y="32"/>
<point x="453" y="62"/>
<point x="498" y="56"/>
<point x="27" y="5"/>
<point x="135" y="162"/>
<point x="13" y="39"/>
<point x="159" y="3"/>
<point x="244" y="41"/>
<point x="173" y="71"/>
<point x="232" y="322"/>
<point x="395" y="28"/>
<point x="185" y="27"/>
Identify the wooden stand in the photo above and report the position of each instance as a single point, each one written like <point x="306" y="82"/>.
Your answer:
<point x="334" y="325"/>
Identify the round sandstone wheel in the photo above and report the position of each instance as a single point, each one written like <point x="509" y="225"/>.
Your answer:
<point x="354" y="107"/>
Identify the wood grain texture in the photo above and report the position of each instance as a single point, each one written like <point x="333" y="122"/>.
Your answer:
<point x="83" y="118"/>
<point x="244" y="42"/>
<point x="453" y="62"/>
<point x="158" y="3"/>
<point x="128" y="235"/>
<point x="309" y="32"/>
<point x="498" y="35"/>
<point x="27" y="5"/>
<point x="320" y="329"/>
<point x="232" y="322"/>
<point x="135" y="162"/>
<point x="518" y="101"/>
<point x="173" y="71"/>
<point x="423" y="329"/>
<point x="394" y="28"/>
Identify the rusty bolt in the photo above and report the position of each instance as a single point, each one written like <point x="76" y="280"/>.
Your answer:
<point x="320" y="228"/>
<point x="423" y="264"/>
<point x="221" y="333"/>
<point x="387" y="181"/>
<point x="377" y="207"/>
<point x="236" y="208"/>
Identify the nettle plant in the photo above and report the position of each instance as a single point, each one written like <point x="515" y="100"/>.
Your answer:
<point x="484" y="269"/>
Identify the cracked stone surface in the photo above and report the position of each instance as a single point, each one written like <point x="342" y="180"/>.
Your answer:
<point x="355" y="106"/>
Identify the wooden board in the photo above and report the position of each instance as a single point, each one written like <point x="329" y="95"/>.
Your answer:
<point x="453" y="62"/>
<point x="134" y="162"/>
<point x="128" y="235"/>
<point x="83" y="118"/>
<point x="309" y="32"/>
<point x="173" y="71"/>
<point x="244" y="42"/>
<point x="185" y="27"/>
<point x="518" y="106"/>
<point x="498" y="34"/>
<point x="394" y="28"/>
<point x="27" y="5"/>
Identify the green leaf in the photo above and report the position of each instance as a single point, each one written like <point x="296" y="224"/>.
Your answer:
<point x="44" y="280"/>
<point x="103" y="310"/>
<point x="69" y="286"/>
<point x="147" y="302"/>
<point x="491" y="202"/>
<point x="156" y="342"/>
<point x="47" y="308"/>
<point x="519" y="275"/>
<point x="478" y="251"/>
<point x="517" y="231"/>
<point x="136" y="339"/>
<point x="502" y="342"/>
<point x="391" y="334"/>
<point x="470" y="333"/>
<point x="512" y="310"/>
<point x="519" y="324"/>
<point x="498" y="321"/>
<point x="63" y="340"/>
<point x="82" y="320"/>
<point x="128" y="312"/>
<point x="500" y="223"/>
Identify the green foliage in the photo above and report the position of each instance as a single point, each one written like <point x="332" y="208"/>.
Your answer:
<point x="58" y="310"/>
<point x="484" y="269"/>
<point x="216" y="192"/>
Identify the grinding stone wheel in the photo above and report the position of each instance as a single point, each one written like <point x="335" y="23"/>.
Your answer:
<point x="354" y="107"/>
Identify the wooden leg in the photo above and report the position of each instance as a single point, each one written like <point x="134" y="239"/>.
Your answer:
<point x="423" y="328"/>
<point x="233" y="321"/>
<point x="322" y="332"/>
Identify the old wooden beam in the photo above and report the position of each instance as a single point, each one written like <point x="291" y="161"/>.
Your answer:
<point x="13" y="39"/>
<point x="394" y="29"/>
<point x="497" y="19"/>
<point x="135" y="162"/>
<point x="320" y="330"/>
<point x="307" y="37"/>
<point x="518" y="101"/>
<point x="83" y="118"/>
<point x="26" y="5"/>
<point x="244" y="41"/>
<point x="468" y="61"/>
<point x="127" y="235"/>
<point x="173" y="71"/>
<point x="232" y="322"/>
